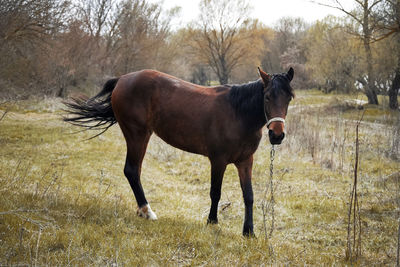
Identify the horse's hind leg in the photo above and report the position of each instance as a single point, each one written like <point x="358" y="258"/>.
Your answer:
<point x="137" y="144"/>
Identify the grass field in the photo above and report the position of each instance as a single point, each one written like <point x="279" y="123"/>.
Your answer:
<point x="65" y="201"/>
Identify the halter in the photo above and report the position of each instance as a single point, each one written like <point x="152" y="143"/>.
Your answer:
<point x="279" y="119"/>
<point x="274" y="119"/>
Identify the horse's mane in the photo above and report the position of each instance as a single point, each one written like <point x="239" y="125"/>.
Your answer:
<point x="247" y="101"/>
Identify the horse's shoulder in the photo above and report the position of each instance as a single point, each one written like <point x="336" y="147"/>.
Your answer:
<point x="216" y="90"/>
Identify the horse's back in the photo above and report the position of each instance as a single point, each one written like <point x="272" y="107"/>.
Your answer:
<point x="151" y="83"/>
<point x="179" y="112"/>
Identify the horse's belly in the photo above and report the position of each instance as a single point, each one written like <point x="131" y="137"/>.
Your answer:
<point x="192" y="143"/>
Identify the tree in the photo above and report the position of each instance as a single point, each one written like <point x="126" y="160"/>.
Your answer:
<point x="51" y="46"/>
<point x="363" y="16"/>
<point x="141" y="37"/>
<point x="200" y="75"/>
<point x="389" y="18"/>
<point x="71" y="58"/>
<point x="285" y="49"/>
<point x="26" y="31"/>
<point x="30" y="20"/>
<point x="333" y="56"/>
<point x="290" y="36"/>
<point x="95" y="15"/>
<point x="224" y="36"/>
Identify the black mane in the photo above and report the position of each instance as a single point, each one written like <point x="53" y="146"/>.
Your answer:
<point x="248" y="102"/>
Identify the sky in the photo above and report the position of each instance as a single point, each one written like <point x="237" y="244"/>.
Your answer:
<point x="267" y="11"/>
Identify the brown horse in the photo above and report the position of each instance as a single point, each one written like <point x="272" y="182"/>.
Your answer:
<point x="223" y="123"/>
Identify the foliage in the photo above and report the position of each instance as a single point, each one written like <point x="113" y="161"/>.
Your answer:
<point x="26" y="28"/>
<point x="287" y="49"/>
<point x="60" y="47"/>
<point x="388" y="16"/>
<point x="333" y="56"/>
<point x="57" y="51"/>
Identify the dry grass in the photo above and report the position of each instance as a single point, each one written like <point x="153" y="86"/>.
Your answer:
<point x="65" y="201"/>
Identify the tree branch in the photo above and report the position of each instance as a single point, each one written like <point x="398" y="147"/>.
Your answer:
<point x="340" y="7"/>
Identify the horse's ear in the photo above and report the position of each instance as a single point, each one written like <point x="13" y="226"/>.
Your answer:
<point x="264" y="77"/>
<point x="290" y="74"/>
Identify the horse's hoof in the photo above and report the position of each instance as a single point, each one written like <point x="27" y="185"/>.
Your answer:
<point x="212" y="221"/>
<point x="146" y="212"/>
<point x="248" y="231"/>
<point x="249" y="234"/>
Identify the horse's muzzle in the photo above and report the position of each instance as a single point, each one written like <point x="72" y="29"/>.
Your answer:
<point x="275" y="139"/>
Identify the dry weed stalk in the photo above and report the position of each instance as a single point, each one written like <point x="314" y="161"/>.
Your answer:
<point x="341" y="131"/>
<point x="398" y="218"/>
<point x="353" y="250"/>
<point x="37" y="246"/>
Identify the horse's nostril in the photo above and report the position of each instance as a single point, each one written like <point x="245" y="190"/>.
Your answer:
<point x="275" y="139"/>
<point x="271" y="134"/>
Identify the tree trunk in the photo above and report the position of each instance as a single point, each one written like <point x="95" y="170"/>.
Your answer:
<point x="394" y="90"/>
<point x="370" y="90"/>
<point x="223" y="75"/>
<point x="223" y="79"/>
<point x="61" y="92"/>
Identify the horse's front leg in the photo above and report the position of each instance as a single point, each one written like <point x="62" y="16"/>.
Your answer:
<point x="244" y="170"/>
<point x="217" y="174"/>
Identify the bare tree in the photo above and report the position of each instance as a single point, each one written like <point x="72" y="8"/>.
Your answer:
<point x="26" y="31"/>
<point x="97" y="18"/>
<point x="222" y="36"/>
<point x="95" y="14"/>
<point x="333" y="57"/>
<point x="141" y="37"/>
<point x="388" y="15"/>
<point x="389" y="18"/>
<point x="364" y="16"/>
<point x="30" y="20"/>
<point x="290" y="36"/>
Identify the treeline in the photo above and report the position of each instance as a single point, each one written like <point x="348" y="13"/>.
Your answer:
<point x="55" y="47"/>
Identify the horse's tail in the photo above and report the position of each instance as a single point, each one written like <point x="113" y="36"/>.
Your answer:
<point x="94" y="113"/>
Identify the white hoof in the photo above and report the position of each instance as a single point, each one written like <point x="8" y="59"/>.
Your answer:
<point x="146" y="212"/>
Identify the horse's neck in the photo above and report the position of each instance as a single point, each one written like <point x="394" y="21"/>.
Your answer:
<point x="248" y="102"/>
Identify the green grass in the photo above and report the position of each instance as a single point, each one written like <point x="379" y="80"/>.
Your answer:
<point x="65" y="201"/>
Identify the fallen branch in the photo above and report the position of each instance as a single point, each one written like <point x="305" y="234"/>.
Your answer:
<point x="4" y="114"/>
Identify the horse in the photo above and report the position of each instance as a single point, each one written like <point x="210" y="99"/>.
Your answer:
<point x="223" y="123"/>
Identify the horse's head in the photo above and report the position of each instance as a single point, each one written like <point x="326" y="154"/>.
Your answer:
<point x="277" y="95"/>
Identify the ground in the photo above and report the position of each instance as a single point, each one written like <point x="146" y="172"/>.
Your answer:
<point x="65" y="200"/>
